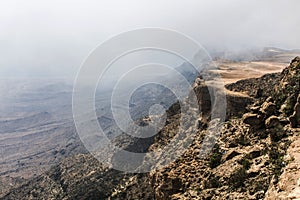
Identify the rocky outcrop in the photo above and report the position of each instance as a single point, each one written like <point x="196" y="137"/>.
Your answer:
<point x="236" y="102"/>
<point x="203" y="94"/>
<point x="288" y="186"/>
<point x="246" y="162"/>
<point x="268" y="108"/>
<point x="295" y="118"/>
<point x="256" y="87"/>
<point x="272" y="122"/>
<point x="287" y="90"/>
<point x="253" y="120"/>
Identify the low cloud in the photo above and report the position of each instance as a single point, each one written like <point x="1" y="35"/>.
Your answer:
<point x="52" y="38"/>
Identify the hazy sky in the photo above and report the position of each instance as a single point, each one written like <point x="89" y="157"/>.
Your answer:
<point x="52" y="38"/>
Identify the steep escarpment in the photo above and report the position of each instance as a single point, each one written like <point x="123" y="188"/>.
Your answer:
<point x="247" y="160"/>
<point x="252" y="156"/>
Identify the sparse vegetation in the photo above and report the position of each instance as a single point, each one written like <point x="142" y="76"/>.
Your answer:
<point x="277" y="161"/>
<point x="215" y="158"/>
<point x="238" y="177"/>
<point x="246" y="163"/>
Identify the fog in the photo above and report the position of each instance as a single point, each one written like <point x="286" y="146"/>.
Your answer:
<point x="52" y="38"/>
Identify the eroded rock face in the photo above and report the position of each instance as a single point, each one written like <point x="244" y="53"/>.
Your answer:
<point x="167" y="186"/>
<point x="288" y="186"/>
<point x="242" y="164"/>
<point x="235" y="103"/>
<point x="295" y="118"/>
<point x="287" y="90"/>
<point x="204" y="97"/>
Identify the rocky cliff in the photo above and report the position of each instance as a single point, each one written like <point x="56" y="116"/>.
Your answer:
<point x="255" y="157"/>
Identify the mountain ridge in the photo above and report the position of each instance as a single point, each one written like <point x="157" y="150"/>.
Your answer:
<point x="246" y="163"/>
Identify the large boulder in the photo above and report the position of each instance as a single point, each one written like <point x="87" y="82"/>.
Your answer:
<point x="274" y="128"/>
<point x="272" y="122"/>
<point x="252" y="119"/>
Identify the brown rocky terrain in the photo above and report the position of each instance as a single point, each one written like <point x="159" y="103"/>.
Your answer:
<point x="256" y="155"/>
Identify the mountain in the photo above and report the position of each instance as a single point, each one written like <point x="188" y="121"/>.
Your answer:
<point x="264" y="54"/>
<point x="255" y="156"/>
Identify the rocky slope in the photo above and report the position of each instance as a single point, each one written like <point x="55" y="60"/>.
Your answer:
<point x="252" y="159"/>
<point x="36" y="129"/>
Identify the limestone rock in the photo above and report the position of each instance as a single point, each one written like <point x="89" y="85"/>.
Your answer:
<point x="272" y="121"/>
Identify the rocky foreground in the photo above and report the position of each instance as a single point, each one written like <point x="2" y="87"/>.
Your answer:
<point x="256" y="155"/>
